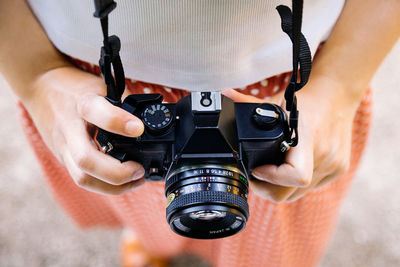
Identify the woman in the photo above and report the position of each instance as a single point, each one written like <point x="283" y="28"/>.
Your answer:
<point x="293" y="205"/>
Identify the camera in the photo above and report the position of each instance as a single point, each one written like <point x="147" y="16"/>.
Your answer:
<point x="204" y="147"/>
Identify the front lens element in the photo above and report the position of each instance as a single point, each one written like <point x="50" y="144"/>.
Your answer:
<point x="207" y="215"/>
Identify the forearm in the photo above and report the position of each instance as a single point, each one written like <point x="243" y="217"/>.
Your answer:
<point x="25" y="50"/>
<point x="363" y="35"/>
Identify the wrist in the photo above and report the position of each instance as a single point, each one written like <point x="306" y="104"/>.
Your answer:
<point x="24" y="84"/>
<point x="327" y="90"/>
<point x="45" y="85"/>
<point x="64" y="80"/>
<point x="324" y="101"/>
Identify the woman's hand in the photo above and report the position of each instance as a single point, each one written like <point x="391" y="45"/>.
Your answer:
<point x="354" y="50"/>
<point x="323" y="152"/>
<point x="65" y="105"/>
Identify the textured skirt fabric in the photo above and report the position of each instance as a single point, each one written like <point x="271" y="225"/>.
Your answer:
<point x="285" y="234"/>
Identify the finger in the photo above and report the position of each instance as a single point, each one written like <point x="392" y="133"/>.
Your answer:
<point x="320" y="179"/>
<point x="277" y="99"/>
<point x="333" y="164"/>
<point x="98" y="111"/>
<point x="300" y="192"/>
<point x="95" y="163"/>
<point x="330" y="178"/>
<point x="239" y="97"/>
<point x="92" y="184"/>
<point x="270" y="191"/>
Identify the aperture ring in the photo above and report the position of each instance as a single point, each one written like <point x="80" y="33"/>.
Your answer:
<point x="189" y="174"/>
<point x="208" y="198"/>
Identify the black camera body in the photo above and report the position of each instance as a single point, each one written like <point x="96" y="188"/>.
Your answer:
<point x="204" y="147"/>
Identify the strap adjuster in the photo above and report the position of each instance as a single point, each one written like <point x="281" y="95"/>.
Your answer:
<point x="289" y="95"/>
<point x="103" y="8"/>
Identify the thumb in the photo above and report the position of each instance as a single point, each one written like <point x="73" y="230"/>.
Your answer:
<point x="297" y="171"/>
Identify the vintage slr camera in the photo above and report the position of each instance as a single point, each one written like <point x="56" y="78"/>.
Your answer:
<point x="204" y="147"/>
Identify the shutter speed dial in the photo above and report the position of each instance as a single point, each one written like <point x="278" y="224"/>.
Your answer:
<point x="157" y="118"/>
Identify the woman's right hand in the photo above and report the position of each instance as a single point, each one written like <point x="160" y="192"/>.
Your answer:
<point x="66" y="105"/>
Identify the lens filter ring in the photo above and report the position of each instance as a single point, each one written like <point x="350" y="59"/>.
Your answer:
<point x="208" y="197"/>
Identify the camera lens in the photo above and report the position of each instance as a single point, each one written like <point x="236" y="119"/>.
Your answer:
<point x="207" y="215"/>
<point x="207" y="201"/>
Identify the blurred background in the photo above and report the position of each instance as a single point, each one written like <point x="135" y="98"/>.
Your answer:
<point x="35" y="232"/>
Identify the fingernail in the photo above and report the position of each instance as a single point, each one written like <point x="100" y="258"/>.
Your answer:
<point x="138" y="174"/>
<point x="256" y="173"/>
<point x="132" y="127"/>
<point x="259" y="175"/>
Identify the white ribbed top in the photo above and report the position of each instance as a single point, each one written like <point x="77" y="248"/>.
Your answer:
<point x="189" y="44"/>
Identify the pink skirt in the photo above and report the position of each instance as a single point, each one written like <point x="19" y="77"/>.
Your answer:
<point x="285" y="234"/>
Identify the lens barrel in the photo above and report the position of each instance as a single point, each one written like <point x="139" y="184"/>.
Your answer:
<point x="207" y="201"/>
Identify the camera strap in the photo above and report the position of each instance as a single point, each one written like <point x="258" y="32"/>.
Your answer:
<point x="290" y="23"/>
<point x="109" y="56"/>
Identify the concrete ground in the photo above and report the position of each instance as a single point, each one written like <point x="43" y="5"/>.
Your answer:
<point x="34" y="232"/>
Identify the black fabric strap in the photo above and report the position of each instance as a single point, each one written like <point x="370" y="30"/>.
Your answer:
<point x="109" y="57"/>
<point x="304" y="53"/>
<point x="291" y="25"/>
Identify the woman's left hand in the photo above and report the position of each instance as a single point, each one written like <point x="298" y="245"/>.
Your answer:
<point x="326" y="112"/>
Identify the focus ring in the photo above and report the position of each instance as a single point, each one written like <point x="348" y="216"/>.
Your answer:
<point x="206" y="198"/>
